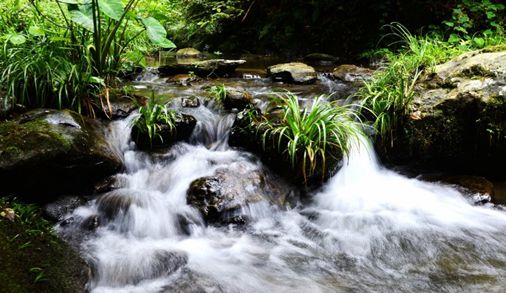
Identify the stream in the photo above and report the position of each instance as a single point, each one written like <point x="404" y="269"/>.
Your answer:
<point x="368" y="229"/>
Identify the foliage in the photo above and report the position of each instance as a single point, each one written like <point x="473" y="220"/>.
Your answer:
<point x="67" y="53"/>
<point x="219" y="92"/>
<point x="475" y="21"/>
<point x="390" y="92"/>
<point x="153" y="117"/>
<point x="308" y="137"/>
<point x="26" y="214"/>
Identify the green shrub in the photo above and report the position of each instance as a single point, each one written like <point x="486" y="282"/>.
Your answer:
<point x="309" y="137"/>
<point x="152" y="119"/>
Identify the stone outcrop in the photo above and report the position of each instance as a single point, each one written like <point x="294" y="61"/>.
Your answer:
<point x="54" y="152"/>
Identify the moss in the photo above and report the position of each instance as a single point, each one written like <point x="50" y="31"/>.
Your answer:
<point x="492" y="49"/>
<point x="33" y="259"/>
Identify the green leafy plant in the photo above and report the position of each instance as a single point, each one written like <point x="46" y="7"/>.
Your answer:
<point x="309" y="137"/>
<point x="153" y="118"/>
<point x="388" y="95"/>
<point x="219" y="92"/>
<point x="476" y="22"/>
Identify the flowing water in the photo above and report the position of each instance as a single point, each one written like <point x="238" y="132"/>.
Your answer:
<point x="368" y="229"/>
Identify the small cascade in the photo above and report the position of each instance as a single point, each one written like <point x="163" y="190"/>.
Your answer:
<point x="368" y="229"/>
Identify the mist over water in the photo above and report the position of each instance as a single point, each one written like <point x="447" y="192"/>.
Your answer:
<point x="368" y="229"/>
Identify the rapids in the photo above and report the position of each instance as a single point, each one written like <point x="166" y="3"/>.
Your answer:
<point x="368" y="229"/>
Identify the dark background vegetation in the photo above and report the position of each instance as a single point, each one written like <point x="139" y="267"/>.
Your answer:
<point x="296" y="27"/>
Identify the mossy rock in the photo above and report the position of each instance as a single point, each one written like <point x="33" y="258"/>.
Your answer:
<point x="188" y="53"/>
<point x="457" y="120"/>
<point x="46" y="152"/>
<point x="38" y="261"/>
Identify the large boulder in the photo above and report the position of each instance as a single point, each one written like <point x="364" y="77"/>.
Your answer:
<point x="294" y="72"/>
<point x="457" y="120"/>
<point x="224" y="197"/>
<point x="54" y="152"/>
<point x="237" y="98"/>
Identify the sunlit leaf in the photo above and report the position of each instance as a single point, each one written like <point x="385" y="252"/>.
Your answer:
<point x="36" y="31"/>
<point x="81" y="17"/>
<point x="156" y="33"/>
<point x="112" y="8"/>
<point x="17" y="39"/>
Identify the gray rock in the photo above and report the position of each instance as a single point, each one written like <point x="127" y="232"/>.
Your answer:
<point x="294" y="72"/>
<point x="352" y="73"/>
<point x="221" y="197"/>
<point x="190" y="102"/>
<point x="56" y="210"/>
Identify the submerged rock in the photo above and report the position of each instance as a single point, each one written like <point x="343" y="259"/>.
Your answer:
<point x="294" y="72"/>
<point x="226" y="196"/>
<point x="184" y="125"/>
<point x="56" y="210"/>
<point x="54" y="152"/>
<point x="457" y="119"/>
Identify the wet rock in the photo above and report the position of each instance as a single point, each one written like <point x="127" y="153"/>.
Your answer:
<point x="294" y="72"/>
<point x="115" y="202"/>
<point x="236" y="98"/>
<point x="54" y="152"/>
<point x="223" y="197"/>
<point x="183" y="79"/>
<point x="205" y="68"/>
<point x="352" y="73"/>
<point x="184" y="125"/>
<point x="90" y="223"/>
<point x="190" y="102"/>
<point x="110" y="183"/>
<point x="188" y="53"/>
<point x="457" y="119"/>
<point x="57" y="210"/>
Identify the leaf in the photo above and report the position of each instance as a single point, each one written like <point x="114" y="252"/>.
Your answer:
<point x="479" y="42"/>
<point x="156" y="33"/>
<point x="112" y="8"/>
<point x="36" y="31"/>
<point x="81" y="16"/>
<point x="17" y="39"/>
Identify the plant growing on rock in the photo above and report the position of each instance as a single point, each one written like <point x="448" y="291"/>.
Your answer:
<point x="154" y="119"/>
<point x="309" y="137"/>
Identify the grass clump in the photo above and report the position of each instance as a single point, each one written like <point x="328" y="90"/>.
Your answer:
<point x="388" y="95"/>
<point x="154" y="120"/>
<point x="309" y="137"/>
